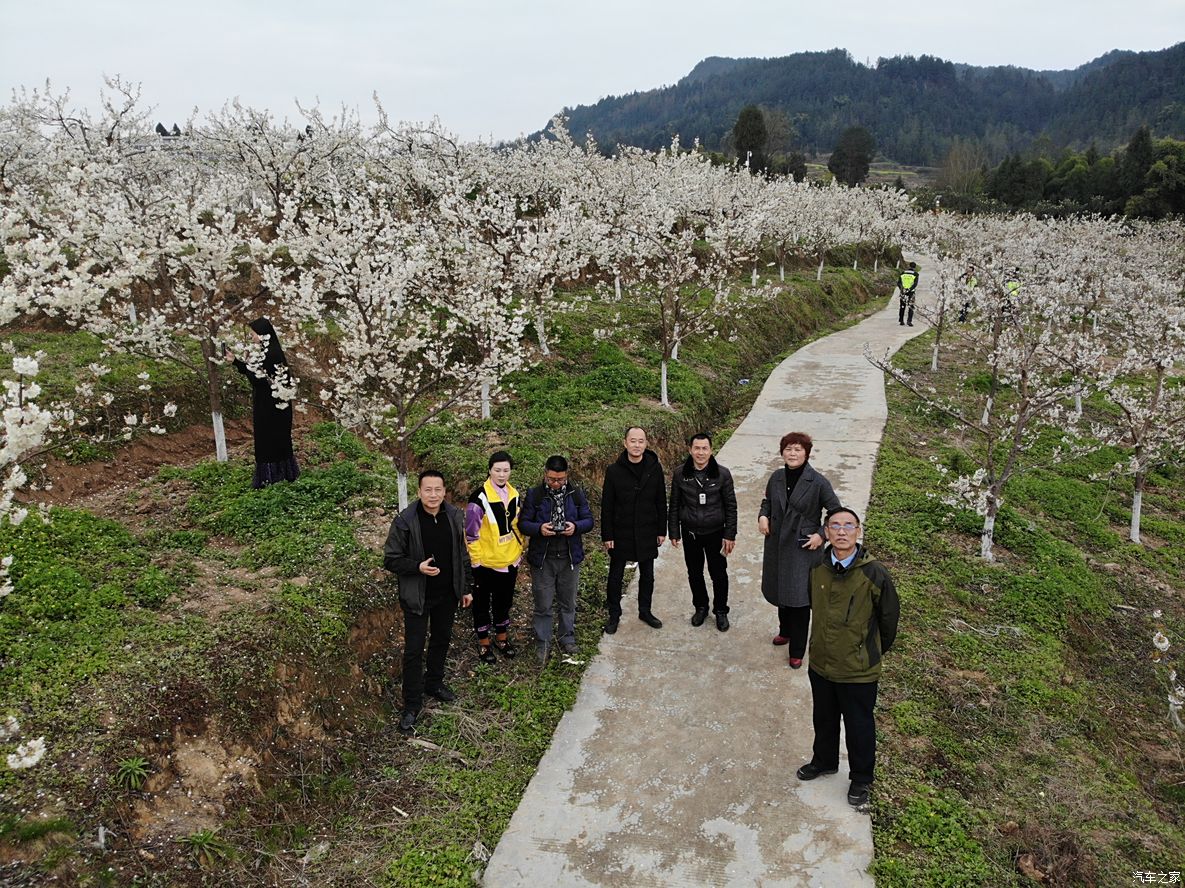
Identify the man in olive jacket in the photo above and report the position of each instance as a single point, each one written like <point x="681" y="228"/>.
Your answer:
<point x="426" y="550"/>
<point x="633" y="523"/>
<point x="855" y="610"/>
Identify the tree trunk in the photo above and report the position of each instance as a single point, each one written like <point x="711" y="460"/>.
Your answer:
<point x="617" y="286"/>
<point x="934" y="356"/>
<point x="819" y="273"/>
<point x="1078" y="403"/>
<point x="754" y="277"/>
<point x="485" y="400"/>
<point x="665" y="400"/>
<point x="675" y="347"/>
<point x="782" y="272"/>
<point x="401" y="475"/>
<point x="856" y="262"/>
<point x="987" y="535"/>
<point x="214" y="385"/>
<point x="1137" y="508"/>
<point x="987" y="412"/>
<point x="876" y="262"/>
<point x="541" y="330"/>
<point x="132" y="312"/>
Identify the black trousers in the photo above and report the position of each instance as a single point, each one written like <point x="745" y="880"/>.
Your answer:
<point x="697" y="547"/>
<point x="854" y="703"/>
<point x="795" y="623"/>
<point x="435" y="626"/>
<point x="493" y="592"/>
<point x="907" y="300"/>
<point x="617" y="579"/>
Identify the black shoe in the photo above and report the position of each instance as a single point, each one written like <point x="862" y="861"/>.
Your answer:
<point x="701" y="614"/>
<point x="506" y="648"/>
<point x="810" y="771"/>
<point x="486" y="655"/>
<point x="443" y="693"/>
<point x="650" y="620"/>
<point x="611" y="626"/>
<point x="722" y="622"/>
<point x="570" y="648"/>
<point x="858" y="795"/>
<point x="910" y="324"/>
<point x="407" y="721"/>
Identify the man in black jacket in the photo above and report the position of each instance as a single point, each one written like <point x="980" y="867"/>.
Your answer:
<point x="633" y="523"/>
<point x="426" y="550"/>
<point x="703" y="515"/>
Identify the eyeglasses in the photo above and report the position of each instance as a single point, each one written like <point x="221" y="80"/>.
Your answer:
<point x="846" y="527"/>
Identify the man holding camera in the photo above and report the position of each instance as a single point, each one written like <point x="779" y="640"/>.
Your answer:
<point x="555" y="515"/>
<point x="702" y="513"/>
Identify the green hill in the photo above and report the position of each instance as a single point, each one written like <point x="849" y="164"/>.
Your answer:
<point x="914" y="107"/>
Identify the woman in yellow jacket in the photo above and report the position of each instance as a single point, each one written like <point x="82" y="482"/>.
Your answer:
<point x="495" y="548"/>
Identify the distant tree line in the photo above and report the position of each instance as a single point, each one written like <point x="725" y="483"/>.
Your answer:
<point x="1146" y="178"/>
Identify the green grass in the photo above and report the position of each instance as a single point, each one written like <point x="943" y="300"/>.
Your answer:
<point x="1022" y="717"/>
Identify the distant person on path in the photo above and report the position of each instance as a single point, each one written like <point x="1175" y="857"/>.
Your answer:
<point x="790" y="519"/>
<point x="856" y="612"/>
<point x="496" y="549"/>
<point x="633" y="523"/>
<point x="555" y="515"/>
<point x="271" y="406"/>
<point x="907" y="283"/>
<point x="702" y="514"/>
<point x="426" y="550"/>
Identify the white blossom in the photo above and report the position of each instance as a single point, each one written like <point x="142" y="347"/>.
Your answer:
<point x="27" y="754"/>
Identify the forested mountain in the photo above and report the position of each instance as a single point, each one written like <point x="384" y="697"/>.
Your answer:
<point x="914" y="107"/>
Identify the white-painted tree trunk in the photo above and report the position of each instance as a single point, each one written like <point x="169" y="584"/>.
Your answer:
<point x="485" y="400"/>
<point x="1078" y="403"/>
<point x="754" y="276"/>
<point x="402" y="476"/>
<point x="665" y="400"/>
<point x="876" y="263"/>
<point x="675" y="350"/>
<point x="541" y="330"/>
<point x="987" y="412"/>
<point x="1137" y="507"/>
<point x="219" y="436"/>
<point x="132" y="312"/>
<point x="987" y="537"/>
<point x="617" y="286"/>
<point x="782" y="272"/>
<point x="856" y="262"/>
<point x="819" y="273"/>
<point x="934" y="356"/>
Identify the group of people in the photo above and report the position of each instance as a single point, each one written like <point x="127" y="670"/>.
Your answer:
<point x="447" y="557"/>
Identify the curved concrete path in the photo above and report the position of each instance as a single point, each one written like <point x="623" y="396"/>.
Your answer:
<point x="676" y="764"/>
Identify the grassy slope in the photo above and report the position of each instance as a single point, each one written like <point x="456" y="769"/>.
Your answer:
<point x="200" y="607"/>
<point x="1024" y="724"/>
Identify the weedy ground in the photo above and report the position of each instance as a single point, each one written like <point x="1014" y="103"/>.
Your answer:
<point x="1024" y="727"/>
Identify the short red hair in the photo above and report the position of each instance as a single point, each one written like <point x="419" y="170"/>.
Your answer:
<point x="796" y="438"/>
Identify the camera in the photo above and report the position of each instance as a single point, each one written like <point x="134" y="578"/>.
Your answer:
<point x="557" y="526"/>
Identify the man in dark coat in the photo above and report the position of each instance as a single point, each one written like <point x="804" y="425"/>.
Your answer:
<point x="703" y="515"/>
<point x="856" y="612"/>
<point x="633" y="523"/>
<point x="426" y="550"/>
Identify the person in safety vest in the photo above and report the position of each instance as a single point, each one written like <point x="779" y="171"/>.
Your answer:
<point x="907" y="283"/>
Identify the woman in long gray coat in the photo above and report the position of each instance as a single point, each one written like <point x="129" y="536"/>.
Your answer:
<point x="796" y="498"/>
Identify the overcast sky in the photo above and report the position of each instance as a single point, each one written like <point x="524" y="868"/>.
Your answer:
<point x="499" y="69"/>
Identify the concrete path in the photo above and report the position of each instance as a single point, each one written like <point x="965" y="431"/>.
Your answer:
<point x="676" y="764"/>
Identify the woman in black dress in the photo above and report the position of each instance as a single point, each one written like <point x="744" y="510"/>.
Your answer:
<point x="271" y="407"/>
